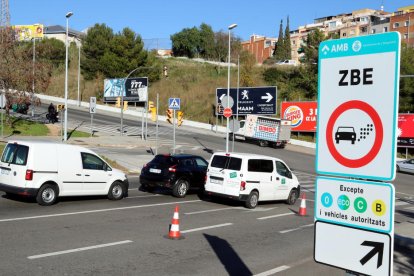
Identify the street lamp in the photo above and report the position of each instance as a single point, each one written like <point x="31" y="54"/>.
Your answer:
<point x="65" y="133"/>
<point x="232" y="26"/>
<point x="79" y="44"/>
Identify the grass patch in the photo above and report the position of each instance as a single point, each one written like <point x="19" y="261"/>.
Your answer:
<point x="304" y="136"/>
<point x="77" y="134"/>
<point x="24" y="128"/>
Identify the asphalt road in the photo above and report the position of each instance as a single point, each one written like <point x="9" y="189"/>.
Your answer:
<point x="95" y="236"/>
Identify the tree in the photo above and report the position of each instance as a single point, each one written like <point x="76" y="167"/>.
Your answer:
<point x="16" y="74"/>
<point x="95" y="45"/>
<point x="407" y="84"/>
<point x="186" y="43"/>
<point x="115" y="55"/>
<point x="247" y="62"/>
<point x="279" y="51"/>
<point x="286" y="42"/>
<point x="206" y="47"/>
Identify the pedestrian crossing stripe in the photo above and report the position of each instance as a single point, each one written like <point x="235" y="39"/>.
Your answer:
<point x="174" y="103"/>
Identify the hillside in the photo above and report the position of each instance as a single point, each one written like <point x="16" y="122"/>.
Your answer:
<point x="194" y="82"/>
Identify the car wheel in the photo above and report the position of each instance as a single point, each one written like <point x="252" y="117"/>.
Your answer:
<point x="398" y="169"/>
<point x="180" y="188"/>
<point x="293" y="196"/>
<point x="263" y="143"/>
<point x="116" y="191"/>
<point x="353" y="142"/>
<point x="252" y="200"/>
<point x="47" y="195"/>
<point x="337" y="141"/>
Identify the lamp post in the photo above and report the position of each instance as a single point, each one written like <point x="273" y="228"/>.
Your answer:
<point x="65" y="132"/>
<point x="79" y="56"/>
<point x="33" y="73"/>
<point x="232" y="26"/>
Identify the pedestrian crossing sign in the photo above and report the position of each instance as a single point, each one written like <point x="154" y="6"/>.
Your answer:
<point x="174" y="103"/>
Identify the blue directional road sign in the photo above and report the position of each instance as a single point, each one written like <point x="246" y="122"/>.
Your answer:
<point x="174" y="103"/>
<point x="251" y="100"/>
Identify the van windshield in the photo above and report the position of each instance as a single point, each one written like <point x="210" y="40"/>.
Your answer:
<point x="226" y="162"/>
<point x="15" y="154"/>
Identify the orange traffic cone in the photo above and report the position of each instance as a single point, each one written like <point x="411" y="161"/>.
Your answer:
<point x="174" y="233"/>
<point x="302" y="208"/>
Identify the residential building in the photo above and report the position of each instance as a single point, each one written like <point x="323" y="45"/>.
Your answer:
<point x="402" y="21"/>
<point x="59" y="32"/>
<point x="260" y="47"/>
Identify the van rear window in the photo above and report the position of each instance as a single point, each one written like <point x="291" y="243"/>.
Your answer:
<point x="15" y="154"/>
<point x="226" y="162"/>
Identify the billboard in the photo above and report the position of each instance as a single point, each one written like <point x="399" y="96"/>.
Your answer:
<point x="136" y="89"/>
<point x="251" y="100"/>
<point x="302" y="114"/>
<point x="28" y="32"/>
<point x="405" y="130"/>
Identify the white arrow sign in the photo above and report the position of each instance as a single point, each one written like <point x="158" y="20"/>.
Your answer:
<point x="268" y="97"/>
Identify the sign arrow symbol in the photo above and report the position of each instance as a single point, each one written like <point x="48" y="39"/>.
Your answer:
<point x="378" y="248"/>
<point x="268" y="97"/>
<point x="325" y="48"/>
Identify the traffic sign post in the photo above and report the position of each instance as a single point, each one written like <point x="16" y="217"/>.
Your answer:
<point x="356" y="138"/>
<point x="362" y="204"/>
<point x="249" y="100"/>
<point x="353" y="249"/>
<point x="227" y="112"/>
<point x="92" y="110"/>
<point x="358" y="106"/>
<point x="174" y="104"/>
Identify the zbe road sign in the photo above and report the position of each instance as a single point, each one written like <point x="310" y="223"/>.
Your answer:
<point x="92" y="105"/>
<point x="358" y="106"/>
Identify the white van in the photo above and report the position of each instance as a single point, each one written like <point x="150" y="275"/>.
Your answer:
<point x="46" y="170"/>
<point x="251" y="178"/>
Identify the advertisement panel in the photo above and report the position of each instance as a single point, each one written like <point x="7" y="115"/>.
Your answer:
<point x="28" y="32"/>
<point x="302" y="114"/>
<point x="136" y="89"/>
<point x="405" y="130"/>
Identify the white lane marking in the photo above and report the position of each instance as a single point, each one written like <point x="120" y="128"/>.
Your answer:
<point x="401" y="203"/>
<point x="306" y="182"/>
<point x="276" y="216"/>
<point x="213" y="210"/>
<point x="294" y="229"/>
<point x="409" y="208"/>
<point x="207" y="227"/>
<point x="99" y="210"/>
<point x="259" y="209"/>
<point x="307" y="185"/>
<point x="77" y="249"/>
<point x="404" y="194"/>
<point x="273" y="271"/>
<point x="142" y="196"/>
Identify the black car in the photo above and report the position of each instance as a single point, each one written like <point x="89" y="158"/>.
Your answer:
<point x="176" y="172"/>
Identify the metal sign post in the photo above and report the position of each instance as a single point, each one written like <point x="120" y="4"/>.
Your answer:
<point x="174" y="104"/>
<point x="174" y="132"/>
<point x="92" y="110"/>
<point x="156" y="129"/>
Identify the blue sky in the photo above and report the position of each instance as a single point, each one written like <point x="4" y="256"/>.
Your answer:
<point x="160" y="19"/>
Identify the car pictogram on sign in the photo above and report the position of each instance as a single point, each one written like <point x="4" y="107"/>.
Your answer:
<point x="345" y="133"/>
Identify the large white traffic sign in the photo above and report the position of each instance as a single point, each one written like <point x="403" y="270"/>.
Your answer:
<point x="361" y="204"/>
<point x="358" y="106"/>
<point x="353" y="249"/>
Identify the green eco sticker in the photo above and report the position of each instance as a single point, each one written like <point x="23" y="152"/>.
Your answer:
<point x="283" y="180"/>
<point x="233" y="175"/>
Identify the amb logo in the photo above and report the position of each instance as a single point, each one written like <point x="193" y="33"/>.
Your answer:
<point x="343" y="47"/>
<point x="295" y="114"/>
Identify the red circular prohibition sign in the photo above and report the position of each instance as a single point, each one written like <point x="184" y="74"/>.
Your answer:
<point x="379" y="134"/>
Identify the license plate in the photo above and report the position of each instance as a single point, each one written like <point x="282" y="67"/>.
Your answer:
<point x="5" y="172"/>
<point x="155" y="170"/>
<point x="216" y="181"/>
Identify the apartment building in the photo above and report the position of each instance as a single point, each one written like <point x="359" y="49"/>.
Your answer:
<point x="260" y="47"/>
<point x="402" y="21"/>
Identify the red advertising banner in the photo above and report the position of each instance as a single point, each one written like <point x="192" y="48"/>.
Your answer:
<point x="302" y="115"/>
<point x="406" y="130"/>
